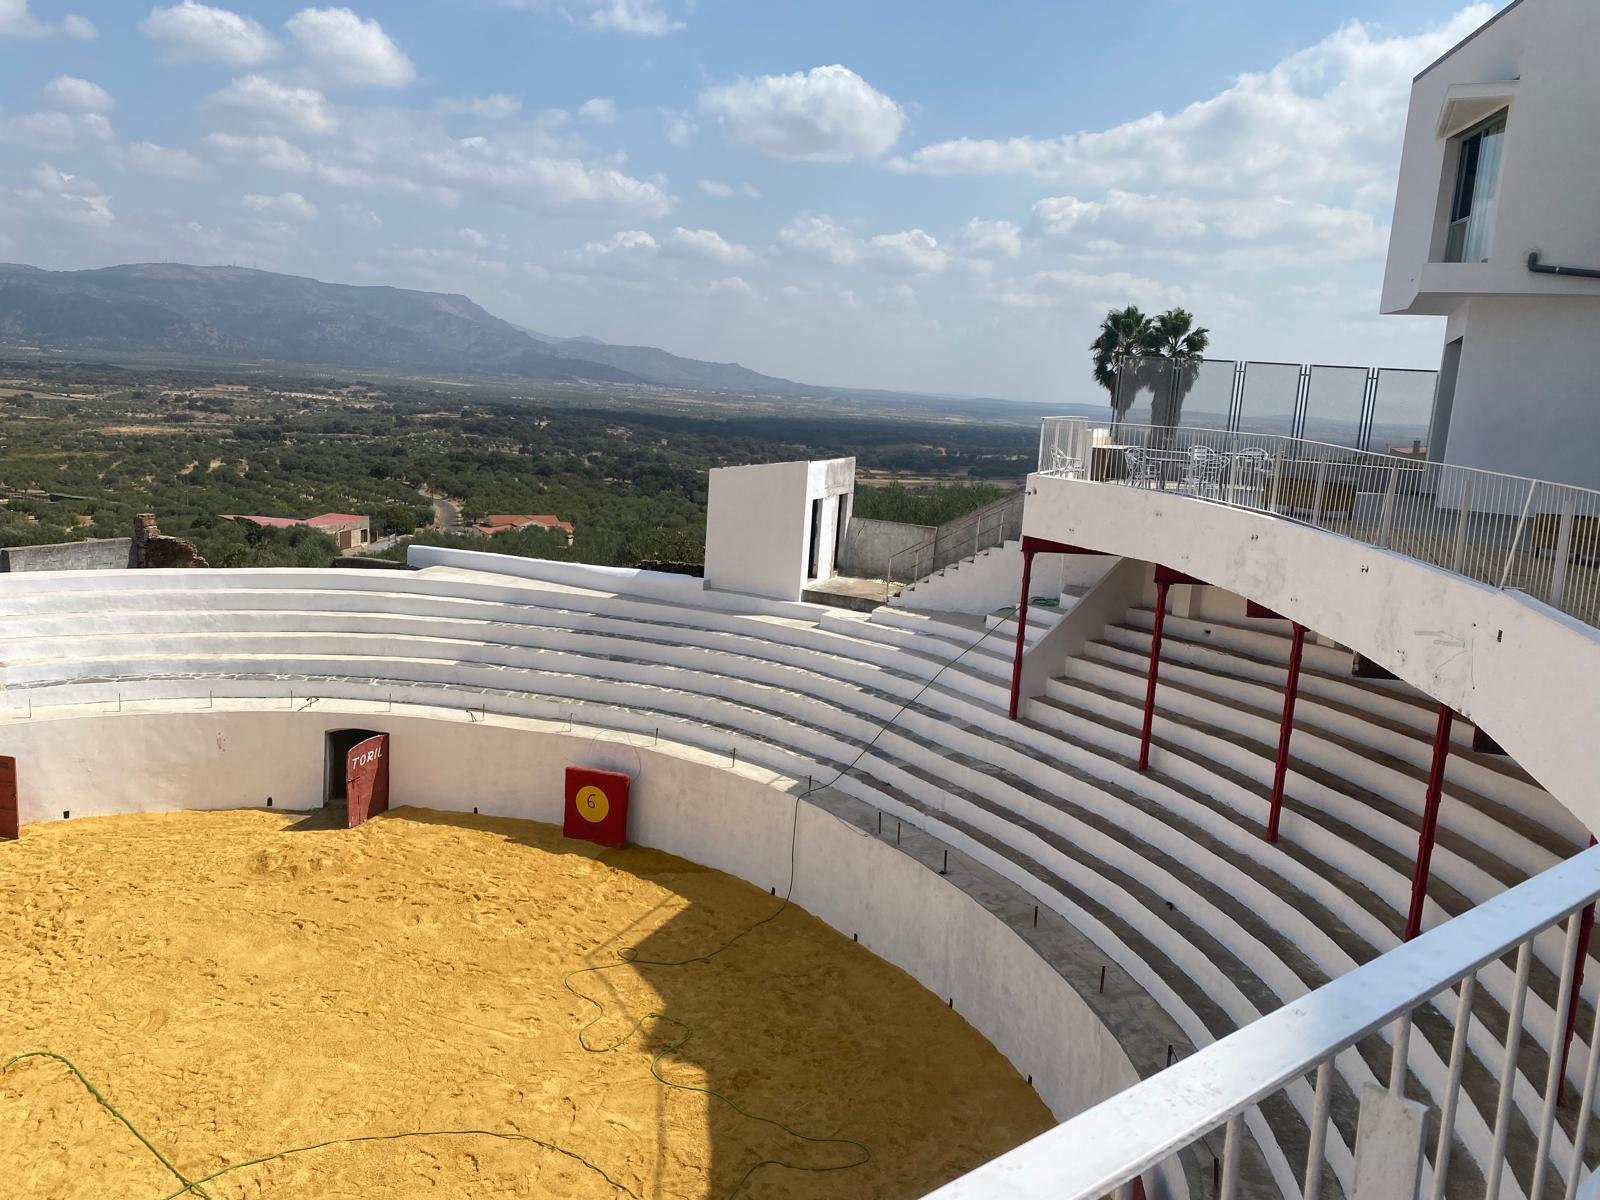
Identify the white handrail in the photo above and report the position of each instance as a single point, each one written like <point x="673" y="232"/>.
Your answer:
<point x="1093" y="1154"/>
<point x="1503" y="530"/>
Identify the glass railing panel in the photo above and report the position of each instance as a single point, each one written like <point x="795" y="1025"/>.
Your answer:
<point x="1335" y="404"/>
<point x="1269" y="397"/>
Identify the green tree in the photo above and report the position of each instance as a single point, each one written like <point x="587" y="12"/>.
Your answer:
<point x="1160" y="354"/>
<point x="1126" y="337"/>
<point x="1179" y="346"/>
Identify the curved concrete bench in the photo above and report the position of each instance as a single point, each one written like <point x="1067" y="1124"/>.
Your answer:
<point x="803" y="688"/>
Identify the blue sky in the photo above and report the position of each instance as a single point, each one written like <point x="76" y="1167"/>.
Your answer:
<point x="932" y="196"/>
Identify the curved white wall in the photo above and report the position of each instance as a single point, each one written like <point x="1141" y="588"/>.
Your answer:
<point x="1524" y="672"/>
<point x="683" y="802"/>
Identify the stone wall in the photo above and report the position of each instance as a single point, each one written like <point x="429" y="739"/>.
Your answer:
<point x="103" y="554"/>
<point x="869" y="544"/>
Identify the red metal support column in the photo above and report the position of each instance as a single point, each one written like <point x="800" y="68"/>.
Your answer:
<point x="1022" y="629"/>
<point x="1291" y="689"/>
<point x="1430" y="822"/>
<point x="1585" y="929"/>
<point x="1155" y="670"/>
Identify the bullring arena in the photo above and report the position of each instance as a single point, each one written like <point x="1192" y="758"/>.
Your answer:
<point x="244" y="983"/>
<point x="503" y="877"/>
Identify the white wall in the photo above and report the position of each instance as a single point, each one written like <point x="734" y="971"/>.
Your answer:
<point x="758" y="524"/>
<point x="1527" y="398"/>
<point x="737" y="821"/>
<point x="1527" y="674"/>
<point x="1549" y="173"/>
<point x="1529" y="378"/>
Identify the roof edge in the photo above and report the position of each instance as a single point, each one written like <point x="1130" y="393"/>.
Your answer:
<point x="1470" y="37"/>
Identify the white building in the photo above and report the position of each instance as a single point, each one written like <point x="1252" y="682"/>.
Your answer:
<point x="1497" y="228"/>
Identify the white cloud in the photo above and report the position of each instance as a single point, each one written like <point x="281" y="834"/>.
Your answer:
<point x="644" y="17"/>
<point x="473" y="237"/>
<point x="827" y="114"/>
<point x="722" y="191"/>
<point x="357" y="216"/>
<point x="821" y="238"/>
<point x="1092" y="292"/>
<point x="1002" y="238"/>
<point x="57" y="130"/>
<point x="599" y="110"/>
<point x="265" y="151"/>
<point x="347" y="49"/>
<point x="17" y="21"/>
<point x="193" y="32"/>
<point x="824" y="239"/>
<point x="52" y="179"/>
<point x="1330" y="114"/>
<point x="71" y="94"/>
<point x="499" y="107"/>
<point x="679" y="129"/>
<point x="1210" y="223"/>
<point x="60" y="196"/>
<point x="265" y="104"/>
<point x="705" y="245"/>
<point x="911" y="250"/>
<point x="164" y="160"/>
<point x="289" y="206"/>
<point x="534" y="180"/>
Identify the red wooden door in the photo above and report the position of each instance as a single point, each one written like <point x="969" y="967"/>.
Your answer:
<point x="9" y="807"/>
<point x="366" y="778"/>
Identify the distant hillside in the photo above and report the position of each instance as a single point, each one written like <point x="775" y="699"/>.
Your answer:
<point x="242" y="315"/>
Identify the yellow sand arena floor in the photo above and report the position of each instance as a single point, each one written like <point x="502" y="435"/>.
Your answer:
<point x="237" y="987"/>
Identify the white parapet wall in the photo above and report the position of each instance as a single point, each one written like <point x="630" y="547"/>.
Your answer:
<point x="733" y="818"/>
<point x="1525" y="673"/>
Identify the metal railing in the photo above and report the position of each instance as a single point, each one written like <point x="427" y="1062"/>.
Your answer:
<point x="1536" y="1146"/>
<point x="982" y="529"/>
<point x="1507" y="531"/>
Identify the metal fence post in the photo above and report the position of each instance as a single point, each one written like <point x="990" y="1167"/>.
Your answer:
<point x="1458" y="557"/>
<point x="1558" y="572"/>
<point x="1316" y="498"/>
<point x="1386" y="521"/>
<point x="1277" y="480"/>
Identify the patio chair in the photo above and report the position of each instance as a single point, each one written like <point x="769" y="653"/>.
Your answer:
<point x="1252" y="467"/>
<point x="1063" y="464"/>
<point x="1143" y="468"/>
<point x="1204" y="470"/>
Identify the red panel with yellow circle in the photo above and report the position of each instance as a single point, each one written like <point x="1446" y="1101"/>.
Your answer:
<point x="597" y="806"/>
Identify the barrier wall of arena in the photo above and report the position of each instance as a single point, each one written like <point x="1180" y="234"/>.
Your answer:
<point x="736" y="820"/>
<point x="1524" y="672"/>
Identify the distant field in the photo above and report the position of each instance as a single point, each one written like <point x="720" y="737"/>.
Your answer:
<point x="626" y="465"/>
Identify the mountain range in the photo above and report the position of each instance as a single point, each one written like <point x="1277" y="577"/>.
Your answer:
<point x="244" y="316"/>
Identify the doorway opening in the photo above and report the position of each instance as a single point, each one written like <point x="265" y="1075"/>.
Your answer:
<point x="339" y="744"/>
<point x="816" y="539"/>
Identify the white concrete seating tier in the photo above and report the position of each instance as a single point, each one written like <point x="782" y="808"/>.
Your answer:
<point x="1051" y="803"/>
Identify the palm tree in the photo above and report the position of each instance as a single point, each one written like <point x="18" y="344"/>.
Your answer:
<point x="1126" y="338"/>
<point x="1181" y="345"/>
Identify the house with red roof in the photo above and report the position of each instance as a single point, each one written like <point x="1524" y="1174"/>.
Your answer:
<point x="348" y="530"/>
<point x="503" y="522"/>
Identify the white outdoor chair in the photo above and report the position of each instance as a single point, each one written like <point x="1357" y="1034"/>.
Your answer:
<point x="1063" y="464"/>
<point x="1143" y="468"/>
<point x="1204" y="470"/>
<point x="1252" y="467"/>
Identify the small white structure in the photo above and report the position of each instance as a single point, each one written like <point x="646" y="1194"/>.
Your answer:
<point x="1495" y="228"/>
<point x="773" y="528"/>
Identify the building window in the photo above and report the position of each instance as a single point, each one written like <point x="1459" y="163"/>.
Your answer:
<point x="1477" y="183"/>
